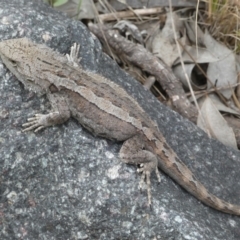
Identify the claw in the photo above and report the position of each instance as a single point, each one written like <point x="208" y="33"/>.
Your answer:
<point x="39" y="128"/>
<point x="158" y="175"/>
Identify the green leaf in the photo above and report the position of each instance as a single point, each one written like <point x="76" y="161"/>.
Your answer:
<point x="58" y="3"/>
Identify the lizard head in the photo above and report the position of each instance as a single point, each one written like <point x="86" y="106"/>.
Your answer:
<point x="15" y="50"/>
<point x="20" y="57"/>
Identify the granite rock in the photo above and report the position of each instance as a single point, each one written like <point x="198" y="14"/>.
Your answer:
<point x="64" y="183"/>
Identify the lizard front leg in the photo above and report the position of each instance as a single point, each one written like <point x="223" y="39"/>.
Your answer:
<point x="59" y="115"/>
<point x="133" y="151"/>
<point x="73" y="56"/>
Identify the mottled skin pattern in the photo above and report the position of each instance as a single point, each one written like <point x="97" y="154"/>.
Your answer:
<point x="102" y="107"/>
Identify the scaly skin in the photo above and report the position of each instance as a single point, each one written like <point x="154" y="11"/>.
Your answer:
<point x="102" y="107"/>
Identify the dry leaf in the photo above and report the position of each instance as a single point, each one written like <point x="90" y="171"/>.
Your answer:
<point x="211" y="121"/>
<point x="191" y="33"/>
<point x="221" y="107"/>
<point x="162" y="43"/>
<point x="83" y="9"/>
<point x="223" y="72"/>
<point x="197" y="80"/>
<point x="200" y="55"/>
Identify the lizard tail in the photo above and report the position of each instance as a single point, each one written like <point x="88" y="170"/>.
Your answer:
<point x="201" y="193"/>
<point x="177" y="170"/>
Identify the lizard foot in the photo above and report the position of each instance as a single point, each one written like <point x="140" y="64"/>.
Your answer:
<point x="148" y="163"/>
<point x="73" y="56"/>
<point x="134" y="151"/>
<point x="146" y="169"/>
<point x="37" y="122"/>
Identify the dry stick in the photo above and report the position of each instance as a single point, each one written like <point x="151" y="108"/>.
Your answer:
<point x="211" y="90"/>
<point x="141" y="57"/>
<point x="127" y="14"/>
<point x="235" y="100"/>
<point x="200" y="116"/>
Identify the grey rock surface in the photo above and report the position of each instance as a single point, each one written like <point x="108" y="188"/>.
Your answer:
<point x="64" y="183"/>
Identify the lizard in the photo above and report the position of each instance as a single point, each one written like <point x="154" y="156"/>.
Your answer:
<point x="102" y="107"/>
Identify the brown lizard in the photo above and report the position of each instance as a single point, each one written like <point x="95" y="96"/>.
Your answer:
<point x="102" y="107"/>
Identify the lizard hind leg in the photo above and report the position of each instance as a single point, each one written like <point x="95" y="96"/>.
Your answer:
<point x="133" y="152"/>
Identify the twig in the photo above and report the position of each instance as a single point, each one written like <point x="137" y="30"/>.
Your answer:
<point x="127" y="14"/>
<point x="211" y="90"/>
